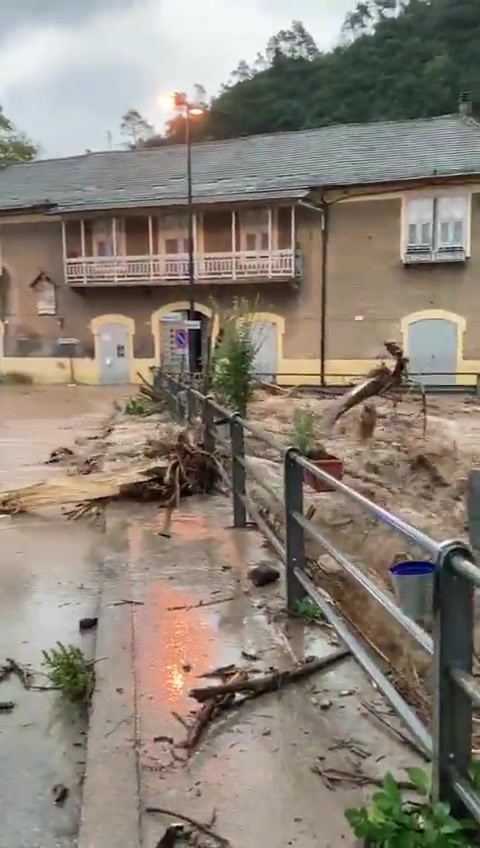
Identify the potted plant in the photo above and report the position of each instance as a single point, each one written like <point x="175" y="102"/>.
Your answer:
<point x="393" y="821"/>
<point x="303" y="440"/>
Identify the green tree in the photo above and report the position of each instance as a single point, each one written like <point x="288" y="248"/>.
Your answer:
<point x="403" y="59"/>
<point x="14" y="145"/>
<point x="135" y="129"/>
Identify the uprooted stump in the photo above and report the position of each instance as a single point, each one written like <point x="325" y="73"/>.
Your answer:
<point x="378" y="382"/>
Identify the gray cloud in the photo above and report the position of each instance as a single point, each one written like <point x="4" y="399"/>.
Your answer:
<point x="26" y="14"/>
<point x="71" y="68"/>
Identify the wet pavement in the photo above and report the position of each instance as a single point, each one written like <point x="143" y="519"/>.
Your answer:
<point x="49" y="579"/>
<point x="196" y="610"/>
<point x="171" y="610"/>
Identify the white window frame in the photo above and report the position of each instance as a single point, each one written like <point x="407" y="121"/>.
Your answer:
<point x="172" y="225"/>
<point x="102" y="231"/>
<point x="251" y="224"/>
<point x="438" y="199"/>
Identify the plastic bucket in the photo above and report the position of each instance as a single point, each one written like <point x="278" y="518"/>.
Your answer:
<point x="413" y="583"/>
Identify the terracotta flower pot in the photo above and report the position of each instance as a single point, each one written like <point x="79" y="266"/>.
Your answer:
<point x="325" y="462"/>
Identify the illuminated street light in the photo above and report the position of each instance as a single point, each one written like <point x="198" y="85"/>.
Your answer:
<point x="180" y="101"/>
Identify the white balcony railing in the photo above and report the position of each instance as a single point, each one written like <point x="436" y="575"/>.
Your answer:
<point x="146" y="270"/>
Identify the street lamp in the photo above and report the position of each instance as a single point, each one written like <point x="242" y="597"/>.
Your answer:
<point x="181" y="102"/>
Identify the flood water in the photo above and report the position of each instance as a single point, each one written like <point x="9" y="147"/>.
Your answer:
<point x="49" y="579"/>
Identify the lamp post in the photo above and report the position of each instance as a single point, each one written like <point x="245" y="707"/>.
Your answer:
<point x="181" y="101"/>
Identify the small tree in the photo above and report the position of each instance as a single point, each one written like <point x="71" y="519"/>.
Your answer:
<point x="234" y="357"/>
<point x="14" y="145"/>
<point x="135" y="129"/>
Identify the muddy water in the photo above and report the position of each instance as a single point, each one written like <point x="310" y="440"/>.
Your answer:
<point x="49" y="576"/>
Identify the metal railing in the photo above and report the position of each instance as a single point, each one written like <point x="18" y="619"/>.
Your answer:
<point x="455" y="691"/>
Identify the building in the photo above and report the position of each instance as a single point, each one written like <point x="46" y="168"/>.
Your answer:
<point x="340" y="237"/>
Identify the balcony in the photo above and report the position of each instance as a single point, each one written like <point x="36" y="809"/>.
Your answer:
<point x="255" y="245"/>
<point x="172" y="269"/>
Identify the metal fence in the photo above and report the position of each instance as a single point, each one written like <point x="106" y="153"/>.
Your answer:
<point x="455" y="692"/>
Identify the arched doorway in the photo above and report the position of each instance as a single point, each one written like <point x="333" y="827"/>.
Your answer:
<point x="113" y="336"/>
<point x="433" y="341"/>
<point x="168" y="326"/>
<point x="267" y="334"/>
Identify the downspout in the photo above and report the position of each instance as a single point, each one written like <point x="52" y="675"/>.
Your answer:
<point x="323" y="288"/>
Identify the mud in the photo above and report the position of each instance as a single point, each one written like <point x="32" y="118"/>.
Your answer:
<point x="49" y="577"/>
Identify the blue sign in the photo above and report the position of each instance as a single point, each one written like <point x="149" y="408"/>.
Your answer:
<point x="181" y="339"/>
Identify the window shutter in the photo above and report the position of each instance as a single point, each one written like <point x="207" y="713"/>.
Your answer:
<point x="419" y="216"/>
<point x="452" y="216"/>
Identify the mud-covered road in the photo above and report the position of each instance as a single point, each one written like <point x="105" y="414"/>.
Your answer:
<point x="49" y="578"/>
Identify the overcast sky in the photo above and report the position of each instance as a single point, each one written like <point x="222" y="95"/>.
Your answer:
<point x="69" y="69"/>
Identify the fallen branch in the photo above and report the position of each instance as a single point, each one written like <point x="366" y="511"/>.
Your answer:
<point x="208" y="712"/>
<point x="402" y="737"/>
<point x="12" y="667"/>
<point x="269" y="682"/>
<point x="212" y="603"/>
<point x="333" y="775"/>
<point x="203" y="828"/>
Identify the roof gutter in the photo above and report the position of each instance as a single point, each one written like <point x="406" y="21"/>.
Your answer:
<point x="21" y="210"/>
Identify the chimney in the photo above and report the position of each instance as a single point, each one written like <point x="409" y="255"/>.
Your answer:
<point x="465" y="105"/>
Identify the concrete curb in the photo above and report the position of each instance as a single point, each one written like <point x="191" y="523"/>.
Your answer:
<point x="111" y="796"/>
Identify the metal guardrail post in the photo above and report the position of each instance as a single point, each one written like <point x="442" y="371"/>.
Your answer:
<point x="295" y="534"/>
<point x="237" y="438"/>
<point x="208" y="426"/>
<point x="190" y="405"/>
<point x="453" y="649"/>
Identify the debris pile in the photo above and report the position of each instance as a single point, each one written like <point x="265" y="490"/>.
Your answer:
<point x="177" y="470"/>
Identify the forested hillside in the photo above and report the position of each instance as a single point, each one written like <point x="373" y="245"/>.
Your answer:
<point x="396" y="59"/>
<point x="412" y="64"/>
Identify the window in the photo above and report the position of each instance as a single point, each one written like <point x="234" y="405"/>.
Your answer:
<point x="173" y="233"/>
<point x="176" y="245"/>
<point x="46" y="295"/>
<point x="102" y="237"/>
<point x="436" y="228"/>
<point x="256" y="242"/>
<point x="254" y="232"/>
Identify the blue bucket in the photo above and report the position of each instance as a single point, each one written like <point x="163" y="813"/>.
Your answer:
<point x="413" y="583"/>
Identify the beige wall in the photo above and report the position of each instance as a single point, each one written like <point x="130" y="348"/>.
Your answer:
<point x="33" y="247"/>
<point x="367" y="279"/>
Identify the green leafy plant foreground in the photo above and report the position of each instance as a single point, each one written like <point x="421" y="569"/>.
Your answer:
<point x="392" y="821"/>
<point x="308" y="610"/>
<point x="135" y="406"/>
<point x="234" y="358"/>
<point x="69" y="671"/>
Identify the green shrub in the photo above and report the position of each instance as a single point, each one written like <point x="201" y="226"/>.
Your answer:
<point x="70" y="672"/>
<point x="234" y="358"/>
<point x="391" y="821"/>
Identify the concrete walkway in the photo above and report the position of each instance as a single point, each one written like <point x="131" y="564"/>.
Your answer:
<point x="195" y="610"/>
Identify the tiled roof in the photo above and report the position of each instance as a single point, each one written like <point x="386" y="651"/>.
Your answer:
<point x="252" y="168"/>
